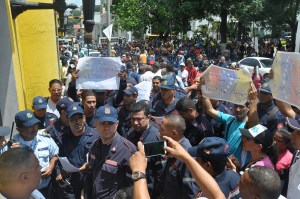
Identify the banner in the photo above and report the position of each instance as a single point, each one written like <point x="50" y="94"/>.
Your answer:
<point x="225" y="84"/>
<point x="98" y="73"/>
<point x="144" y="88"/>
<point x="285" y="84"/>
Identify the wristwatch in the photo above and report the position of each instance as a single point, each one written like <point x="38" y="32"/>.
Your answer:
<point x="138" y="175"/>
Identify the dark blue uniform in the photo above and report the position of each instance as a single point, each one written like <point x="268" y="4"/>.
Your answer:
<point x="109" y="165"/>
<point x="198" y="129"/>
<point x="75" y="148"/>
<point x="178" y="182"/>
<point x="269" y="120"/>
<point x="56" y="131"/>
<point x="218" y="127"/>
<point x="228" y="182"/>
<point x="162" y="109"/>
<point x="124" y="118"/>
<point x="155" y="164"/>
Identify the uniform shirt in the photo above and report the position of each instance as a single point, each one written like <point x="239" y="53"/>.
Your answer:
<point x="218" y="127"/>
<point x="271" y="123"/>
<point x="162" y="109"/>
<point x="75" y="148"/>
<point x="56" y="131"/>
<point x="34" y="195"/>
<point x="198" y="129"/>
<point x="44" y="148"/>
<point x="124" y="118"/>
<point x="178" y="182"/>
<point x="155" y="164"/>
<point x="110" y="168"/>
<point x="233" y="135"/>
<point x="228" y="182"/>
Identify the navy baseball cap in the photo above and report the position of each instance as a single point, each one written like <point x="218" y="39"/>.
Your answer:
<point x="39" y="102"/>
<point x="265" y="87"/>
<point x="211" y="148"/>
<point x="106" y="114"/>
<point x="131" y="80"/>
<point x="168" y="83"/>
<point x="293" y="124"/>
<point x="64" y="103"/>
<point x="123" y="68"/>
<point x="132" y="90"/>
<point x="74" y="109"/>
<point x="4" y="130"/>
<point x="26" y="118"/>
<point x="260" y="134"/>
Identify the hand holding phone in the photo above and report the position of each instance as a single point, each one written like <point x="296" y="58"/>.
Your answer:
<point x="155" y="148"/>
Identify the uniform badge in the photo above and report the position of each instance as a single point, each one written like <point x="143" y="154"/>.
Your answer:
<point x="165" y="82"/>
<point x="265" y="85"/>
<point x="107" y="111"/>
<point x="29" y="115"/>
<point x="40" y="100"/>
<point x="114" y="149"/>
<point x="74" y="108"/>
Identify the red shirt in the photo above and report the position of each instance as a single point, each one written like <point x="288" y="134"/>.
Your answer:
<point x="192" y="74"/>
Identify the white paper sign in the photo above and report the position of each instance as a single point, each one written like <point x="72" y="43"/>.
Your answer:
<point x="67" y="166"/>
<point x="144" y="88"/>
<point x="98" y="73"/>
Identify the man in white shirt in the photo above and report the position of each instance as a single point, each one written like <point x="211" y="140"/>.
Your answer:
<point x="148" y="75"/>
<point x="183" y="74"/>
<point x="156" y="69"/>
<point x="55" y="89"/>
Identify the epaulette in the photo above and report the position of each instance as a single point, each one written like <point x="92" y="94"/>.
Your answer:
<point x="127" y="145"/>
<point x="43" y="132"/>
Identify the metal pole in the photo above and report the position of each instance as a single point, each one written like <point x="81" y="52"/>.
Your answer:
<point x="108" y="23"/>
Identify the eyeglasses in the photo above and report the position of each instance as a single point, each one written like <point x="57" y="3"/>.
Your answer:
<point x="56" y="90"/>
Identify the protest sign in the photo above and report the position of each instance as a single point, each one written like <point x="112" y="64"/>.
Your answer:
<point x="225" y="84"/>
<point x="98" y="73"/>
<point x="286" y="72"/>
<point x="144" y="89"/>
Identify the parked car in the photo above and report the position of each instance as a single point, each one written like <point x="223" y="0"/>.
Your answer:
<point x="264" y="64"/>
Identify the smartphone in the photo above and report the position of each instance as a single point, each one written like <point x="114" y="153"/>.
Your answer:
<point x="155" y="148"/>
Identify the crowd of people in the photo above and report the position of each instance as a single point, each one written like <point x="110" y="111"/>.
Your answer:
<point x="215" y="149"/>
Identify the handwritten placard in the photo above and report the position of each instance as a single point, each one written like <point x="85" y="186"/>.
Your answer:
<point x="225" y="84"/>
<point x="98" y="73"/>
<point x="144" y="89"/>
<point x="285" y="85"/>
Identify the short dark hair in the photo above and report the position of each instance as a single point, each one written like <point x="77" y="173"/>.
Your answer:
<point x="184" y="104"/>
<point x="55" y="81"/>
<point x="157" y="77"/>
<point x="259" y="176"/>
<point x="13" y="160"/>
<point x="141" y="106"/>
<point x="170" y="68"/>
<point x="85" y="93"/>
<point x="217" y="166"/>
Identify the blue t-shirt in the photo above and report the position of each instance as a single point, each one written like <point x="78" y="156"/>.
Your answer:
<point x="233" y="135"/>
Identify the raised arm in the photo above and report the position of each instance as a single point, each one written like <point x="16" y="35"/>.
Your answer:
<point x="203" y="179"/>
<point x="252" y="114"/>
<point x="208" y="108"/>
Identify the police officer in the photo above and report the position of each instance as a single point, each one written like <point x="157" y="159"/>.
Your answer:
<point x="60" y="126"/>
<point x="75" y="146"/>
<point x="268" y="114"/>
<point x="177" y="181"/>
<point x="39" y="106"/>
<point x="166" y="105"/>
<point x="109" y="156"/>
<point x="124" y="111"/>
<point x="212" y="154"/>
<point x="145" y="131"/>
<point x="197" y="127"/>
<point x="41" y="143"/>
